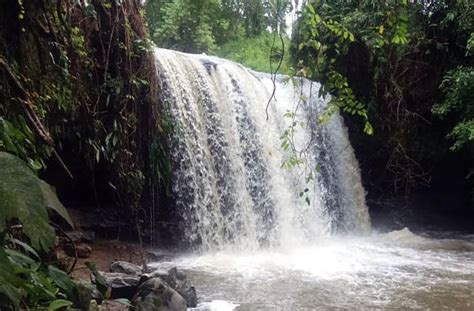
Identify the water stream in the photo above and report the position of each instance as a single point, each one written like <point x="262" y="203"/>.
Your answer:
<point x="273" y="201"/>
<point x="394" y="271"/>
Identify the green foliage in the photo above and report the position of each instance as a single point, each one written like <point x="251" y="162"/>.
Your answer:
<point x="255" y="52"/>
<point x="458" y="103"/>
<point x="458" y="87"/>
<point x="17" y="137"/>
<point x="186" y="25"/>
<point x="243" y="18"/>
<point x="28" y="283"/>
<point x="25" y="281"/>
<point x="21" y="198"/>
<point x="52" y="202"/>
<point x="325" y="35"/>
<point x="204" y="25"/>
<point x="59" y="304"/>
<point x="25" y="198"/>
<point x="384" y="62"/>
<point x="8" y="279"/>
<point x="89" y="79"/>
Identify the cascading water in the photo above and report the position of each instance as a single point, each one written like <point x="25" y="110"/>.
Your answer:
<point x="263" y="246"/>
<point x="229" y="183"/>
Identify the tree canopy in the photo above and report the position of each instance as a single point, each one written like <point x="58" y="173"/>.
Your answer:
<point x="394" y="63"/>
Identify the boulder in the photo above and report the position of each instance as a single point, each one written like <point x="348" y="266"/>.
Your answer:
<point x="179" y="282"/>
<point x="114" y="305"/>
<point x="122" y="285"/>
<point x="108" y="305"/>
<point x="84" y="295"/>
<point x="125" y="267"/>
<point x="81" y="236"/>
<point x="156" y="295"/>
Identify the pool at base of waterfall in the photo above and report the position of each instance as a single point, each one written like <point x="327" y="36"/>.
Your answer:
<point x="393" y="271"/>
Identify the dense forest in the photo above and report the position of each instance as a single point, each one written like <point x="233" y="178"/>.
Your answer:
<point x="81" y="110"/>
<point x="404" y="69"/>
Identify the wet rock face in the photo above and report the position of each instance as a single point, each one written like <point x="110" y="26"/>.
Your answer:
<point x="126" y="268"/>
<point x="179" y="282"/>
<point x="122" y="285"/>
<point x="78" y="236"/>
<point x="156" y="295"/>
<point x="160" y="290"/>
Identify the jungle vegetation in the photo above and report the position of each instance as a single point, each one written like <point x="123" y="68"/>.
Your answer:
<point x="405" y="67"/>
<point x="77" y="100"/>
<point x="79" y="103"/>
<point x="402" y="68"/>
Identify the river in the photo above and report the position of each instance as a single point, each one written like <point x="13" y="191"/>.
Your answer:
<point x="271" y="197"/>
<point x="394" y="271"/>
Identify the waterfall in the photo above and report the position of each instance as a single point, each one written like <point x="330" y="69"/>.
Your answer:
<point x="247" y="174"/>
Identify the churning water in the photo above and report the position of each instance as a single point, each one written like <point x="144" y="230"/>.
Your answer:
<point x="395" y="271"/>
<point x="275" y="202"/>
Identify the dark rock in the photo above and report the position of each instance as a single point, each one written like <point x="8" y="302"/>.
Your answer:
<point x="122" y="285"/>
<point x="97" y="278"/>
<point x="86" y="292"/>
<point x="81" y="236"/>
<point x="125" y="267"/>
<point x="178" y="281"/>
<point x="156" y="295"/>
<point x="84" y="295"/>
<point x="82" y="250"/>
<point x="113" y="305"/>
<point x="159" y="255"/>
<point x="96" y="295"/>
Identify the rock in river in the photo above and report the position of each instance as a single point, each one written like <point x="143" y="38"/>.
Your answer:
<point x="156" y="295"/>
<point x="125" y="267"/>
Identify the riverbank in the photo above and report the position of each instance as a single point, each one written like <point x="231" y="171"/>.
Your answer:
<point x="105" y="251"/>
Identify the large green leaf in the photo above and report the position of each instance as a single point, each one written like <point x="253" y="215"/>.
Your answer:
<point x="59" y="304"/>
<point x="21" y="197"/>
<point x="52" y="202"/>
<point x="63" y="281"/>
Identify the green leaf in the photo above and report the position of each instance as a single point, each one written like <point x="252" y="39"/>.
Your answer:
<point x="59" y="304"/>
<point x="368" y="129"/>
<point x="21" y="198"/>
<point x="25" y="247"/>
<point x="63" y="281"/>
<point x="21" y="261"/>
<point x="52" y="202"/>
<point x="7" y="281"/>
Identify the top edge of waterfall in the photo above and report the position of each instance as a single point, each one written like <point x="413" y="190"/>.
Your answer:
<point x="220" y="60"/>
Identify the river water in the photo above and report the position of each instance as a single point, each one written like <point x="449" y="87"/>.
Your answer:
<point x="394" y="271"/>
<point x="272" y="198"/>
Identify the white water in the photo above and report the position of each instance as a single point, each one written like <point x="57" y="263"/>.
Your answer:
<point x="228" y="182"/>
<point x="395" y="271"/>
<point x="262" y="246"/>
